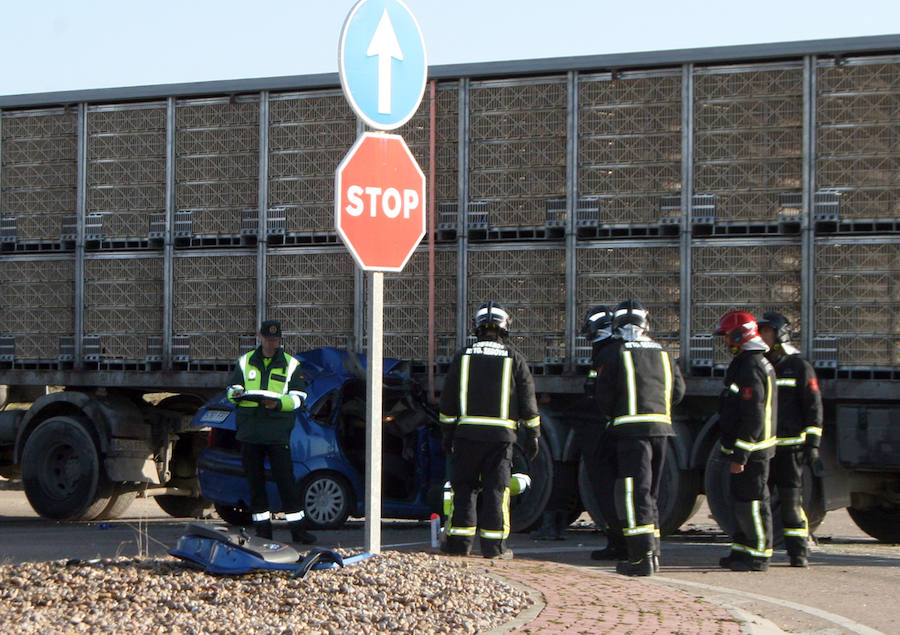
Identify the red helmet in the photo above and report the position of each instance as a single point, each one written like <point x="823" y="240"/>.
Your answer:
<point x="738" y="327"/>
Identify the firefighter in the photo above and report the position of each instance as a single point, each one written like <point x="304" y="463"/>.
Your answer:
<point x="488" y="391"/>
<point x="637" y="384"/>
<point x="267" y="387"/>
<point x="799" y="430"/>
<point x="599" y="446"/>
<point x="747" y="420"/>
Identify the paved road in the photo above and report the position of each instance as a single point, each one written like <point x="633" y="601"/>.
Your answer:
<point x="850" y="587"/>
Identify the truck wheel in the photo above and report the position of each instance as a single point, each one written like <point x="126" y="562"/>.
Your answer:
<point x="526" y="509"/>
<point x="679" y="495"/>
<point x="122" y="497"/>
<point x="183" y="506"/>
<point x="880" y="523"/>
<point x="61" y="470"/>
<point x="718" y="495"/>
<point x="234" y="515"/>
<point x="327" y="500"/>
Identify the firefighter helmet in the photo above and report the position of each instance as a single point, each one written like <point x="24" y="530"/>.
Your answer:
<point x="491" y="315"/>
<point x="738" y="327"/>
<point x="778" y="323"/>
<point x="630" y="312"/>
<point x="598" y="319"/>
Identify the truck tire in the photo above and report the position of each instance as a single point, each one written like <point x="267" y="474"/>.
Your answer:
<point x="880" y="523"/>
<point x="679" y="495"/>
<point x="122" y="497"/>
<point x="61" y="471"/>
<point x="234" y="515"/>
<point x="718" y="496"/>
<point x="183" y="506"/>
<point x="525" y="510"/>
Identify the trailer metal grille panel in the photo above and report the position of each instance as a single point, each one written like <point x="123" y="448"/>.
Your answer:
<point x="215" y="303"/>
<point x="217" y="162"/>
<point x="754" y="278"/>
<point x="311" y="293"/>
<point x="126" y="170"/>
<point x="748" y="139"/>
<point x="858" y="135"/>
<point x="38" y="164"/>
<point x="517" y="149"/>
<point x="37" y="305"/>
<point x="406" y="305"/>
<point x="309" y="134"/>
<point x="530" y="284"/>
<point x="629" y="144"/>
<point x="858" y="301"/>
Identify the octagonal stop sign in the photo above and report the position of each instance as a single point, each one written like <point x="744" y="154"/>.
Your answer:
<point x="379" y="204"/>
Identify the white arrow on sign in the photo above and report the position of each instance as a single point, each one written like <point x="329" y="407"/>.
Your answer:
<point x="384" y="44"/>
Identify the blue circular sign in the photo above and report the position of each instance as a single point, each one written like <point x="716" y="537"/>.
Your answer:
<point x="381" y="62"/>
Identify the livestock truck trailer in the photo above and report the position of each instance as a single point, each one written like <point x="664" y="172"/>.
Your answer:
<point x="145" y="232"/>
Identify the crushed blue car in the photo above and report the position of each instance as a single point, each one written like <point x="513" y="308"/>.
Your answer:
<point x="329" y="453"/>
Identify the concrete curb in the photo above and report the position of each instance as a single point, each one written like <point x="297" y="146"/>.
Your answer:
<point x="525" y="616"/>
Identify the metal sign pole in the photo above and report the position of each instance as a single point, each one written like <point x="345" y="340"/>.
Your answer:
<point x="373" y="411"/>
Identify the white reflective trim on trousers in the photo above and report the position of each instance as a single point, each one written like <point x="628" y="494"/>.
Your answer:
<point x="792" y="440"/>
<point x="447" y="418"/>
<point x="758" y="525"/>
<point x="461" y="531"/>
<point x="766" y="553"/>
<point x="649" y="417"/>
<point x="263" y="516"/>
<point x="637" y="531"/>
<point x="533" y="423"/>
<point x="491" y="534"/>
<point x="800" y="533"/>
<point x="629" y="502"/>
<point x="814" y="430"/>
<point x="295" y="516"/>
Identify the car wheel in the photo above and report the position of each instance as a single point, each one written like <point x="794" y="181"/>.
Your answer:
<point x="326" y="499"/>
<point x="234" y="515"/>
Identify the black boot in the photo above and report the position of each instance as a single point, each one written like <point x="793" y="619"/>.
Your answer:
<point x="299" y="534"/>
<point x="264" y="529"/>
<point x="615" y="547"/>
<point x="560" y="523"/>
<point x="641" y="567"/>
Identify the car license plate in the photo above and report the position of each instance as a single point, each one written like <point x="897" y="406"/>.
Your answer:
<point x="214" y="416"/>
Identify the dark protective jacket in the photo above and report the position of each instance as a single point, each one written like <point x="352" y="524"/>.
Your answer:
<point x="637" y="384"/>
<point x="487" y="392"/>
<point x="748" y="413"/>
<point x="596" y="349"/>
<point x="255" y="422"/>
<point x="799" y="403"/>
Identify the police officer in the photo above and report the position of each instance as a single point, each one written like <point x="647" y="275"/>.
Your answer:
<point x="487" y="392"/>
<point x="637" y="385"/>
<point x="599" y="446"/>
<point x="747" y="420"/>
<point x="799" y="430"/>
<point x="267" y="387"/>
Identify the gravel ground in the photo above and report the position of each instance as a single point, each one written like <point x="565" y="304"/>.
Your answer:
<point x="392" y="592"/>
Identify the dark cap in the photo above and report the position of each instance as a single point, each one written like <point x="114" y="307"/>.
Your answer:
<point x="270" y="328"/>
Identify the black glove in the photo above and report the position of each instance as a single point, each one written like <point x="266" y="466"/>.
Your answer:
<point x="811" y="458"/>
<point x="531" y="447"/>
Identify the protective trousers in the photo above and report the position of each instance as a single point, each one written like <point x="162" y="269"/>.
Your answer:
<point x="639" y="470"/>
<point x="752" y="538"/>
<point x="787" y="478"/>
<point x="600" y="462"/>
<point x="253" y="457"/>
<point x="492" y="462"/>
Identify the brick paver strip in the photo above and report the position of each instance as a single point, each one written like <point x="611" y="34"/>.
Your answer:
<point x="589" y="600"/>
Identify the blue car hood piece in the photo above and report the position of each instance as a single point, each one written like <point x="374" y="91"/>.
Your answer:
<point x="229" y="552"/>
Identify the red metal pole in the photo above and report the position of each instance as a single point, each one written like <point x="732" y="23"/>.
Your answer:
<point x="431" y="213"/>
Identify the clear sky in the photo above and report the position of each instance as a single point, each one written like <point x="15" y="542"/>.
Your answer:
<point x="52" y="45"/>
